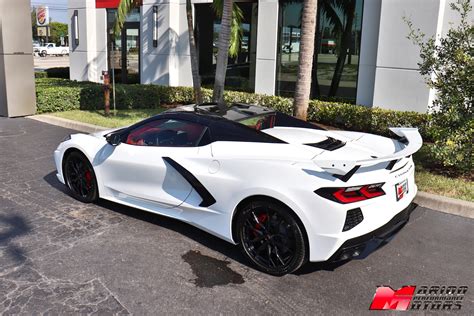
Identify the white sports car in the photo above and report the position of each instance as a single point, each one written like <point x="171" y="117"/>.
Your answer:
<point x="286" y="190"/>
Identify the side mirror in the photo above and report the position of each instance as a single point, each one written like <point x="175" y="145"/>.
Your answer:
<point x="114" y="139"/>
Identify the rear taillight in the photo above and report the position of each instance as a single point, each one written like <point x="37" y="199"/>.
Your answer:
<point x="352" y="194"/>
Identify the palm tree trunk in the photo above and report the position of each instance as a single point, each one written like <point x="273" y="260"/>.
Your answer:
<point x="193" y="54"/>
<point x="305" y="67"/>
<point x="314" y="74"/>
<point x="345" y="43"/>
<point x="222" y="54"/>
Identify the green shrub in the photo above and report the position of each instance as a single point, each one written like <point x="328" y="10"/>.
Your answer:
<point x="447" y="64"/>
<point x="55" y="95"/>
<point x="57" y="72"/>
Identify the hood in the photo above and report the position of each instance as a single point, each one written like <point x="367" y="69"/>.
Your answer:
<point x="105" y="132"/>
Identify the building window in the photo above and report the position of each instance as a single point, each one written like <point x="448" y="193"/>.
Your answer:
<point x="337" y="48"/>
<point x="240" y="69"/>
<point x="124" y="48"/>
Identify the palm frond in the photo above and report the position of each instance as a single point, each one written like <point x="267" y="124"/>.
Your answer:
<point x="123" y="10"/>
<point x="236" y="32"/>
<point x="331" y="8"/>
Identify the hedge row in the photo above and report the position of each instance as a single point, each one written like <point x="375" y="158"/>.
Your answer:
<point x="57" y="72"/>
<point x="55" y="95"/>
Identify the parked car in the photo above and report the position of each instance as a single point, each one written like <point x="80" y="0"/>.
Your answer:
<point x="285" y="190"/>
<point x="52" y="49"/>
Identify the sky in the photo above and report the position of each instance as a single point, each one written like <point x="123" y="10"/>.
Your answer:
<point x="57" y="9"/>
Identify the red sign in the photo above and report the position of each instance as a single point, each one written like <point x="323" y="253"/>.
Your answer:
<point x="386" y="298"/>
<point x="42" y="16"/>
<point x="107" y="4"/>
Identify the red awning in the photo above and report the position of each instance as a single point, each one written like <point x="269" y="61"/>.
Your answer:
<point x="108" y="4"/>
<point x="112" y="4"/>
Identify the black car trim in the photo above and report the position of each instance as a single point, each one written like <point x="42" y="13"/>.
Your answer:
<point x="207" y="198"/>
<point x="348" y="175"/>
<point x="328" y="144"/>
<point x="391" y="164"/>
<point x="400" y="168"/>
<point x="381" y="235"/>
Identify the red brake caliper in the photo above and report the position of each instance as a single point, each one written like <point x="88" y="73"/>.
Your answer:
<point x="88" y="176"/>
<point x="262" y="218"/>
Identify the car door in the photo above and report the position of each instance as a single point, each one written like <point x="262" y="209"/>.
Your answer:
<point x="140" y="170"/>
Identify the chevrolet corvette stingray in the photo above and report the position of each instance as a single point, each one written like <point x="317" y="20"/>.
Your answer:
<point x="285" y="190"/>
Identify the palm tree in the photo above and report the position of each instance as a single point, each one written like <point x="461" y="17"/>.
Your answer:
<point x="305" y="62"/>
<point x="236" y="31"/>
<point x="193" y="54"/>
<point x="348" y="7"/>
<point x="230" y="36"/>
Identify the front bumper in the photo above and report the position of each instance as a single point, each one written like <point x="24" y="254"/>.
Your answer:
<point x="360" y="247"/>
<point x="58" y="162"/>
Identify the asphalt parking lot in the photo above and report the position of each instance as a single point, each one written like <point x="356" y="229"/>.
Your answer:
<point x="58" y="255"/>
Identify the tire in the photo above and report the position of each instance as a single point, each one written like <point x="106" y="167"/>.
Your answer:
<point x="80" y="177"/>
<point x="271" y="237"/>
<point x="43" y="54"/>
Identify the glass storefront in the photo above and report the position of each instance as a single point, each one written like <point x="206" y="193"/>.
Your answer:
<point x="124" y="49"/>
<point x="337" y="47"/>
<point x="240" y="69"/>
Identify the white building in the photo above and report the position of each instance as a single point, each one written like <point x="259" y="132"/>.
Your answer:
<point x="378" y="69"/>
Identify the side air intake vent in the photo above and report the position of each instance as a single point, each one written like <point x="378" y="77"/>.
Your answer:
<point x="329" y="144"/>
<point x="353" y="218"/>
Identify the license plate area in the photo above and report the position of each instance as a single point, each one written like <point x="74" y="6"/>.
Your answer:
<point x="401" y="189"/>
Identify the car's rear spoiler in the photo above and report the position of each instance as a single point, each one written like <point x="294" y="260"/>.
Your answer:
<point x="345" y="169"/>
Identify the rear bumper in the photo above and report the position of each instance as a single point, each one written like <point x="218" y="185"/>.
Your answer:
<point x="360" y="247"/>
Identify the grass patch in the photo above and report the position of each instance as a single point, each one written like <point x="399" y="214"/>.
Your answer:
<point x="434" y="178"/>
<point x="119" y="119"/>
<point x="458" y="188"/>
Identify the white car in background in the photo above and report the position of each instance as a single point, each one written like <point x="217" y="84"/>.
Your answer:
<point x="285" y="190"/>
<point x="51" y="49"/>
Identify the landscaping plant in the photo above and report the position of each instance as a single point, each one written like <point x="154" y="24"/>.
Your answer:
<point x="447" y="64"/>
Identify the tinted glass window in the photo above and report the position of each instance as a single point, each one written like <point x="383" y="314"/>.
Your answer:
<point x="167" y="133"/>
<point x="259" y="122"/>
<point x="337" y="48"/>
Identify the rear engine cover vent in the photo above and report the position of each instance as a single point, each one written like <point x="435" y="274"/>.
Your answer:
<point x="354" y="217"/>
<point x="329" y="144"/>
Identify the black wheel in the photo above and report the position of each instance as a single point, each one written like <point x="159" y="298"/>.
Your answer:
<point x="271" y="237"/>
<point x="80" y="177"/>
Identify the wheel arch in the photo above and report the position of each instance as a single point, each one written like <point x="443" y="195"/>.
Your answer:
<point x="70" y="150"/>
<point x="260" y="197"/>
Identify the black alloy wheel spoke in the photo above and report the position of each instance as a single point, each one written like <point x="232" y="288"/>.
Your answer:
<point x="268" y="238"/>
<point x="77" y="173"/>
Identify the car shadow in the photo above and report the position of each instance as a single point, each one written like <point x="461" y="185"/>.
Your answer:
<point x="207" y="240"/>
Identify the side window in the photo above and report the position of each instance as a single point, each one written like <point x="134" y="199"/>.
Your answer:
<point x="167" y="133"/>
<point x="260" y="122"/>
<point x="50" y="46"/>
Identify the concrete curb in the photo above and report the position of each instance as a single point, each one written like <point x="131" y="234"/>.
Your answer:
<point x="428" y="200"/>
<point x="62" y="122"/>
<point x="445" y="204"/>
